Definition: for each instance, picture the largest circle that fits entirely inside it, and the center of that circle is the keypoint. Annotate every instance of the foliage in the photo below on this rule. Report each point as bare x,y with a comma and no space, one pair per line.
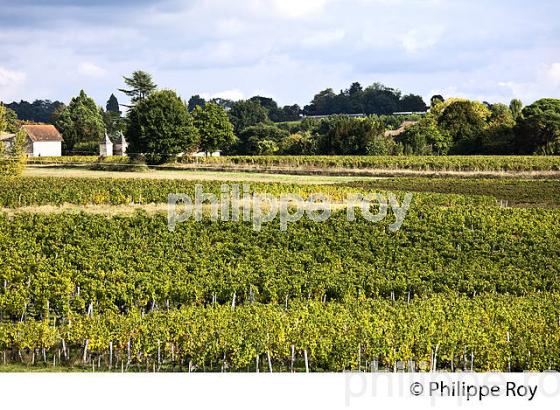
301,143
42,111
348,136
196,100
498,333
245,114
13,159
160,128
113,105
261,139
489,163
425,138
214,128
465,122
539,128
81,122
140,86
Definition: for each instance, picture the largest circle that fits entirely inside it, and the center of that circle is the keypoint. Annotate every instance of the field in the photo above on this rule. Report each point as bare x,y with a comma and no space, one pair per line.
92,277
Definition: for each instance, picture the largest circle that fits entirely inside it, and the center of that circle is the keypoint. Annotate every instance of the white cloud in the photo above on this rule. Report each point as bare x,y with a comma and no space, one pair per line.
91,70
324,38
416,40
553,73
298,8
10,81
234,95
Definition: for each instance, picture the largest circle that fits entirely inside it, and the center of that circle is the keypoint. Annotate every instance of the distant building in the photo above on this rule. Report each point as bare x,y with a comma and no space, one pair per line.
106,147
120,146
42,140
400,130
7,140
206,154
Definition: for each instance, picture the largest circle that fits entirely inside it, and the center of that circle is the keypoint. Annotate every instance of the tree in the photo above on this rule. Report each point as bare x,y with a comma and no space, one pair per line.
8,119
194,101
425,138
245,114
113,105
539,128
436,99
412,103
251,139
141,85
37,111
81,122
465,121
516,107
214,127
342,135
160,127
301,143
499,135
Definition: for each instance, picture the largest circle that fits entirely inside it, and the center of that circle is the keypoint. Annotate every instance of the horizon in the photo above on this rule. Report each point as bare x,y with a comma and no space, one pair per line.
287,50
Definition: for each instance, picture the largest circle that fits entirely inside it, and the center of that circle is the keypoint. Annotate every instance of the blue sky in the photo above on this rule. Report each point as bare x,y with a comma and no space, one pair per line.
491,50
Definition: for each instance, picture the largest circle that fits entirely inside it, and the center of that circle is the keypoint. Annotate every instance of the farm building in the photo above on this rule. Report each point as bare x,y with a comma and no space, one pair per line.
43,140
400,130
107,148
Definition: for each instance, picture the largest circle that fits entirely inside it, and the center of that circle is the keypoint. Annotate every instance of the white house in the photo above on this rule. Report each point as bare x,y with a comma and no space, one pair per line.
43,140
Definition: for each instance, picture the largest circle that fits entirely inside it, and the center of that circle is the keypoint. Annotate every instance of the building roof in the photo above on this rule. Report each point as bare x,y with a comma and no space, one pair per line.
43,132
5,137
400,130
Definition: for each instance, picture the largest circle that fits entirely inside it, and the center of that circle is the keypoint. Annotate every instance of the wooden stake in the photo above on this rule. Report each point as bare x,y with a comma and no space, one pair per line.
306,361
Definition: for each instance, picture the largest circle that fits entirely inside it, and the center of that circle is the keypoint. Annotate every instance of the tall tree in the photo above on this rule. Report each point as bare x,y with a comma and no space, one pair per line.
539,128
194,101
81,122
465,121
516,107
160,127
113,105
244,114
140,86
214,127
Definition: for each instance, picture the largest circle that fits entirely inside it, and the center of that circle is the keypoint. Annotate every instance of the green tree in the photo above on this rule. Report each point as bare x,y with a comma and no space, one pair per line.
140,86
245,114
194,101
539,128
113,105
81,122
465,122
436,99
343,135
412,103
214,127
251,139
160,128
425,138
516,107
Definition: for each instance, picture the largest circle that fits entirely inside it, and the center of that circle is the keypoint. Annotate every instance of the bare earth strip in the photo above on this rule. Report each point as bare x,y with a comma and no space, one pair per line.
194,175
259,173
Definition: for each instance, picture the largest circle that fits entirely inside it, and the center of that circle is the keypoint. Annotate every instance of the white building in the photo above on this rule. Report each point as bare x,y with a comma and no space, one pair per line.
120,146
43,140
106,147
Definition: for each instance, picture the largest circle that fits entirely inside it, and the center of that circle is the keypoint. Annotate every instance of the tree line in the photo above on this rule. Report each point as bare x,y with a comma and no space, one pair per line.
159,125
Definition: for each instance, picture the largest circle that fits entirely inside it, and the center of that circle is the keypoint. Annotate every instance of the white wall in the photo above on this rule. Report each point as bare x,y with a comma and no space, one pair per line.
47,149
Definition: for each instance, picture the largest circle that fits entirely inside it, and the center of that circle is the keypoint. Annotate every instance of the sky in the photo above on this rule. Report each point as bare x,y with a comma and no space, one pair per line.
492,50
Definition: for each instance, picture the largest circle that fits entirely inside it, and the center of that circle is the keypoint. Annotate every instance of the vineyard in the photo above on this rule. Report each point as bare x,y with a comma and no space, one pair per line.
467,283
419,163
